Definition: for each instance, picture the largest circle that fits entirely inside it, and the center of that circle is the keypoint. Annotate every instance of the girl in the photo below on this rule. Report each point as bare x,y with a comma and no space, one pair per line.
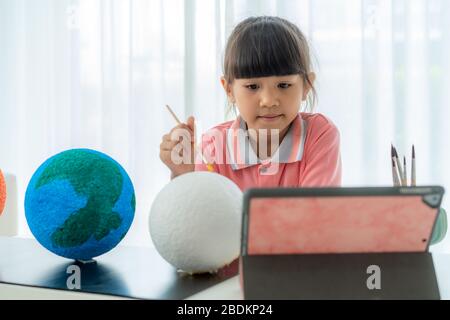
267,77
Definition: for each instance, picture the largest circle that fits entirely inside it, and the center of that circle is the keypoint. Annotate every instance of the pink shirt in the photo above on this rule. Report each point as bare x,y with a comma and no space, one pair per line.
308,156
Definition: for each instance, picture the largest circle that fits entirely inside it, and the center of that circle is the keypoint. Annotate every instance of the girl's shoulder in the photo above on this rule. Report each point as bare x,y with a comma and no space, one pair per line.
321,131
219,129
223,126
318,123
316,118
217,132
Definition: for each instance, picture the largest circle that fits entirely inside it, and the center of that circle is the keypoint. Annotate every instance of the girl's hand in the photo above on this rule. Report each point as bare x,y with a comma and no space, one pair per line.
177,148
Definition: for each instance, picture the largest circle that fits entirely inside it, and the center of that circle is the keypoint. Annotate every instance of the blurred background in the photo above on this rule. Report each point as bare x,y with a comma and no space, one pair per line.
97,74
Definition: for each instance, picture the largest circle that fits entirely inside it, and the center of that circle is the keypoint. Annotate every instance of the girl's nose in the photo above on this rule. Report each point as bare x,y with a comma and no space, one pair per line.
268,99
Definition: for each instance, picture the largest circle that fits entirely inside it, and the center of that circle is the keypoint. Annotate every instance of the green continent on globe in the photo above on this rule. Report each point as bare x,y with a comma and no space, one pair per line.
92,176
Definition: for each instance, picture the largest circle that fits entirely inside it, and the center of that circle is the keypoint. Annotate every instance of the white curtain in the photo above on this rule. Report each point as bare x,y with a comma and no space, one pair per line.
97,74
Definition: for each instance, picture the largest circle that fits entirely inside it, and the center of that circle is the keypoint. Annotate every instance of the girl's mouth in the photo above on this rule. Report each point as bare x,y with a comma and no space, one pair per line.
270,117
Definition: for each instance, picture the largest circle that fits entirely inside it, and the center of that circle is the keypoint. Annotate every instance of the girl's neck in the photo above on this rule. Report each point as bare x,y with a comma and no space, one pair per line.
270,147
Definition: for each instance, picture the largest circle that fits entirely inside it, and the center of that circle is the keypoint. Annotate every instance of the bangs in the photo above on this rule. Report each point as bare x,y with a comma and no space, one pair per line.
264,50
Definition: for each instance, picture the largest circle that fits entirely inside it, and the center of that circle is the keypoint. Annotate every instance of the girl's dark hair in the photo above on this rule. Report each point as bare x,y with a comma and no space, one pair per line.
268,46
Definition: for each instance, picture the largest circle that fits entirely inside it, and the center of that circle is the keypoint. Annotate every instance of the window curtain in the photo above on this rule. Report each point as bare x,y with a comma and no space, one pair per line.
97,74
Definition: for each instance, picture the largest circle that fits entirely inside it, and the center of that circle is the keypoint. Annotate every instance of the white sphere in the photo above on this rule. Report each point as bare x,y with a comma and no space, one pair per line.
195,222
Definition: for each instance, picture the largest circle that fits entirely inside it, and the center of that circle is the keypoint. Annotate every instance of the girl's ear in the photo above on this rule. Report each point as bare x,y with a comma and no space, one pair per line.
227,87
309,84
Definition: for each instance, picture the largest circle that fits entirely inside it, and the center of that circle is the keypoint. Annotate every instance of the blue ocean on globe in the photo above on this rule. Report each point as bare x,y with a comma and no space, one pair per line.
80,204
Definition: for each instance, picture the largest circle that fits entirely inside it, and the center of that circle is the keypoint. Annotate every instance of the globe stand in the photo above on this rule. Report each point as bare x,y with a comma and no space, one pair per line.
90,261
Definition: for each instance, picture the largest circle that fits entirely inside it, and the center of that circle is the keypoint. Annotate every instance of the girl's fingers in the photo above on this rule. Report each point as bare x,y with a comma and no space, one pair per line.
182,133
168,145
168,157
180,127
191,123
166,154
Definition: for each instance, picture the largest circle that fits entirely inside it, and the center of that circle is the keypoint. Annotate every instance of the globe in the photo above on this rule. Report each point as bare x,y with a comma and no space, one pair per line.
195,222
80,204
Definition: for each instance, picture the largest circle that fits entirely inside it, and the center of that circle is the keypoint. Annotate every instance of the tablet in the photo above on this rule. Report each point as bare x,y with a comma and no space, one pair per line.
339,220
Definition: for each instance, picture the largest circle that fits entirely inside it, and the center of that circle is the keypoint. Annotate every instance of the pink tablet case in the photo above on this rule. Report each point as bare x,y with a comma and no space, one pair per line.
359,224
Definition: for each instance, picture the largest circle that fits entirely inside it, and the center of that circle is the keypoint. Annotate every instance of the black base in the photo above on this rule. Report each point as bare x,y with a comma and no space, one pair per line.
340,276
131,272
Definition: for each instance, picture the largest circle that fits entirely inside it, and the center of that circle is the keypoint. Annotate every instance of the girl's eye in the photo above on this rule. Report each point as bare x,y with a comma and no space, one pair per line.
252,86
284,85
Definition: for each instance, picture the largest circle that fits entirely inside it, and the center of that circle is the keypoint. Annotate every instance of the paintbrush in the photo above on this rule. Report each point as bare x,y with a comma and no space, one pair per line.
208,165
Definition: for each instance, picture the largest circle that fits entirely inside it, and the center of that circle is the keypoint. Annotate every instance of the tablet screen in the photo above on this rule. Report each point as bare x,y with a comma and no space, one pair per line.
333,224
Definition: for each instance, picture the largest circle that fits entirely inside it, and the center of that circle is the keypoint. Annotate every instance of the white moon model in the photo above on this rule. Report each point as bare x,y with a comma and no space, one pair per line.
195,222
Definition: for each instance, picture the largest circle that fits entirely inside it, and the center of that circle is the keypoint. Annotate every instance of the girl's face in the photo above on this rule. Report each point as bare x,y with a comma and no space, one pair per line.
268,102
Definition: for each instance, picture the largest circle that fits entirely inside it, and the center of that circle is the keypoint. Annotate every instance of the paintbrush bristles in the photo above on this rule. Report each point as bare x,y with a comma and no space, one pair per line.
405,174
402,174
399,166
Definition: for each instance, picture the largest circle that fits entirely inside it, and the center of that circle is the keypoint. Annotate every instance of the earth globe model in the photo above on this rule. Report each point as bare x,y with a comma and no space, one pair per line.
80,204
2,192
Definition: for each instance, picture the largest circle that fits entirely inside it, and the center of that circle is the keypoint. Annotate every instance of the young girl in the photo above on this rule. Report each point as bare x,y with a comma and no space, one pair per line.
267,76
